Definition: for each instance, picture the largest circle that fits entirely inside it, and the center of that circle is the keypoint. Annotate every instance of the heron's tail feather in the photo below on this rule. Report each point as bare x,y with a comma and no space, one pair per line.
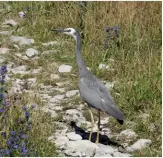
114,111
120,121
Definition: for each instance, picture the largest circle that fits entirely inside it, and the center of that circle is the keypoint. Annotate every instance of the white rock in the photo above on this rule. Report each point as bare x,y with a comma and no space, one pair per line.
127,135
10,22
52,113
21,40
102,155
36,71
65,68
30,52
1,60
60,84
110,85
61,141
50,43
140,144
81,106
106,149
56,108
31,81
84,147
119,154
21,14
6,32
54,76
4,50
72,93
73,136
51,138
103,121
73,115
103,66
20,69
56,98
46,96
71,153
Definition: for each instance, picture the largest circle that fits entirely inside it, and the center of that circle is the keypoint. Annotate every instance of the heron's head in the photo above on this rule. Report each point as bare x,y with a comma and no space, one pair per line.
69,31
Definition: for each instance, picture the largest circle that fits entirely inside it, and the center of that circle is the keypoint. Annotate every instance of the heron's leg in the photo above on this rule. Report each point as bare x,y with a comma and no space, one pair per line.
98,132
92,122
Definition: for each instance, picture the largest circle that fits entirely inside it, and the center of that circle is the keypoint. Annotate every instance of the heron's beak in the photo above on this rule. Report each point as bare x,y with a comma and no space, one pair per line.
58,30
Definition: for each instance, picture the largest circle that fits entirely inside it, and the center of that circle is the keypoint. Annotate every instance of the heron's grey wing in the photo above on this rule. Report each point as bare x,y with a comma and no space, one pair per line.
95,93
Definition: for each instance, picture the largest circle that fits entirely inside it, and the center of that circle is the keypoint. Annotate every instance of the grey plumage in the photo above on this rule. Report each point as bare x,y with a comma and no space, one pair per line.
92,90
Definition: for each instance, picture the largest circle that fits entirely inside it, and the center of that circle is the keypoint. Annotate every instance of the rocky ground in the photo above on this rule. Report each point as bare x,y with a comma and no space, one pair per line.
71,135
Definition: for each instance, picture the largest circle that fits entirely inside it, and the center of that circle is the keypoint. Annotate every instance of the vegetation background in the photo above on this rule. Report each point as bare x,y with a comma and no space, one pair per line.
136,57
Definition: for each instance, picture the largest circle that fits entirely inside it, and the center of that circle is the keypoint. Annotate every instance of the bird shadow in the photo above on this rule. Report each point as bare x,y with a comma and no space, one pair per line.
103,139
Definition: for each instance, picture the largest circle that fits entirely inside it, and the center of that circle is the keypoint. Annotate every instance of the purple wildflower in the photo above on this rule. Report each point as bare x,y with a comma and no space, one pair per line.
1,96
27,114
2,81
1,110
22,136
15,146
24,151
5,103
33,106
13,133
28,128
7,152
4,67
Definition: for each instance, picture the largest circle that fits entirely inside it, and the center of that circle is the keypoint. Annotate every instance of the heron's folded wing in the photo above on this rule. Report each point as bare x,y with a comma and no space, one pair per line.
98,90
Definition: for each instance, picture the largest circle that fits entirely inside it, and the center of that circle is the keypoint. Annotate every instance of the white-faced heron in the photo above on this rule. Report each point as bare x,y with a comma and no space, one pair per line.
92,90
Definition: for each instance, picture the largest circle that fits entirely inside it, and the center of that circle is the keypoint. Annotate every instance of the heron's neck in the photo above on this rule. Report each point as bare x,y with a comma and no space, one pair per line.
79,60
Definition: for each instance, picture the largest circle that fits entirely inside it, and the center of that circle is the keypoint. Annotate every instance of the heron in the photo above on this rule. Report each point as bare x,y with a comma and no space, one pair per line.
92,90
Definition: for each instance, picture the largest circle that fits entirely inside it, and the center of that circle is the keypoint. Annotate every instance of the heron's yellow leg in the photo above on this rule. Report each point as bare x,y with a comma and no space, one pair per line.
98,132
92,122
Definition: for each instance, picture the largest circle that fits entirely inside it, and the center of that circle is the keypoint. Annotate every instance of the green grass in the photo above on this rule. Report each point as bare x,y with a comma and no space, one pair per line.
137,59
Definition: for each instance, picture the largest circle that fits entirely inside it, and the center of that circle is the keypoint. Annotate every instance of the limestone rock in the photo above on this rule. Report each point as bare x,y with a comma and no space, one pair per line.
110,85
61,142
81,147
21,14
36,71
6,32
30,52
65,68
103,66
127,135
21,40
4,51
119,154
73,115
10,22
140,144
20,70
72,93
57,98
73,136
106,149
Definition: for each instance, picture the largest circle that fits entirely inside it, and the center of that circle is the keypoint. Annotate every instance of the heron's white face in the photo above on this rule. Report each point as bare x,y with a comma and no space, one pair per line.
70,31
